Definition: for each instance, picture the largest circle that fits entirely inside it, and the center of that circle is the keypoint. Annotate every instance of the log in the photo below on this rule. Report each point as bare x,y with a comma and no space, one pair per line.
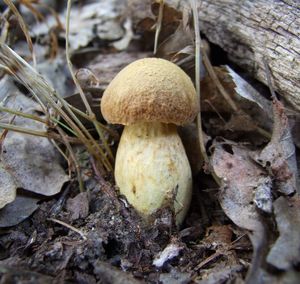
250,31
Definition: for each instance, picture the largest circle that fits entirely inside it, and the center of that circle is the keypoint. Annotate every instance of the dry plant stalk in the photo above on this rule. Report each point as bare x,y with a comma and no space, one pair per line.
91,115
23,27
47,97
158,25
197,78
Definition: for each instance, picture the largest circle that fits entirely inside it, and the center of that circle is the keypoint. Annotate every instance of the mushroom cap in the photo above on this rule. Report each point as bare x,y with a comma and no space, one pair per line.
150,90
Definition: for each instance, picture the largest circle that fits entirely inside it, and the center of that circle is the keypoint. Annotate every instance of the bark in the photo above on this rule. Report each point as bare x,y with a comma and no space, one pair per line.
252,30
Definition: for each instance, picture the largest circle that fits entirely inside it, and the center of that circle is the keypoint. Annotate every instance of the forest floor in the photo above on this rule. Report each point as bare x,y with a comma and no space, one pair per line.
59,224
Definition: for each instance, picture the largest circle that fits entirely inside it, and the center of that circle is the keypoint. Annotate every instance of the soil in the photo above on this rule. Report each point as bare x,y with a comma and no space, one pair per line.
116,246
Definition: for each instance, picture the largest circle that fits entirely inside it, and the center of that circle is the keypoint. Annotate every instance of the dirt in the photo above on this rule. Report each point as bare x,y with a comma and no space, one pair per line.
115,239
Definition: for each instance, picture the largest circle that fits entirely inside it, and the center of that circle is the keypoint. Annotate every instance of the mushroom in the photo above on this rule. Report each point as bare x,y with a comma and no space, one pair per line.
150,97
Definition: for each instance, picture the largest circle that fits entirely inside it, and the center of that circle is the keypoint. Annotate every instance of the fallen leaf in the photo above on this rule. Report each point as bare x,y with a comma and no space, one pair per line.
106,66
240,176
17,211
255,110
101,20
8,187
279,156
181,38
32,161
284,254
247,187
78,206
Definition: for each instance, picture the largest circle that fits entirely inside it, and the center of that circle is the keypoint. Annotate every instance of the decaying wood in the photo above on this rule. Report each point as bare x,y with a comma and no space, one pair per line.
252,30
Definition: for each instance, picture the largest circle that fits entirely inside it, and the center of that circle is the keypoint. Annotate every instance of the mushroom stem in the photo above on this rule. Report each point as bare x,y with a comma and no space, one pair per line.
151,165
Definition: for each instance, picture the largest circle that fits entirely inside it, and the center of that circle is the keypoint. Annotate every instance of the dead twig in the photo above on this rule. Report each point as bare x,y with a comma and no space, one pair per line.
23,27
69,227
158,24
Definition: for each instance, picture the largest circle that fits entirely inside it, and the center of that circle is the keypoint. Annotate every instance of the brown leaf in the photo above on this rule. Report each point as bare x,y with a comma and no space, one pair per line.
78,206
181,38
241,178
284,254
279,157
255,110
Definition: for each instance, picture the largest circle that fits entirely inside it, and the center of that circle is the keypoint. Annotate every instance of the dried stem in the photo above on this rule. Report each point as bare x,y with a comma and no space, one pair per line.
23,27
215,78
70,65
158,24
22,114
24,130
81,93
68,226
36,84
197,78
84,115
5,26
73,157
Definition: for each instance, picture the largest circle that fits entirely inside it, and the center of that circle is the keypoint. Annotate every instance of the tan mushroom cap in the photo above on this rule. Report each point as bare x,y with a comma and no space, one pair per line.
150,90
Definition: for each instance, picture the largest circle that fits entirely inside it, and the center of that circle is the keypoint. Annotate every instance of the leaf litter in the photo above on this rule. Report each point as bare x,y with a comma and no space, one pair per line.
243,228
27,162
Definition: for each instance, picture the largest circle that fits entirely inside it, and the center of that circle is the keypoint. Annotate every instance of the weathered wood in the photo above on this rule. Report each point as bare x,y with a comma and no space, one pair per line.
252,30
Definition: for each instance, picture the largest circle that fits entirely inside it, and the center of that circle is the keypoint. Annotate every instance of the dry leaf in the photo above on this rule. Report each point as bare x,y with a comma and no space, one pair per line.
8,187
279,156
32,161
240,177
17,211
78,206
180,39
100,20
27,162
284,254
255,109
